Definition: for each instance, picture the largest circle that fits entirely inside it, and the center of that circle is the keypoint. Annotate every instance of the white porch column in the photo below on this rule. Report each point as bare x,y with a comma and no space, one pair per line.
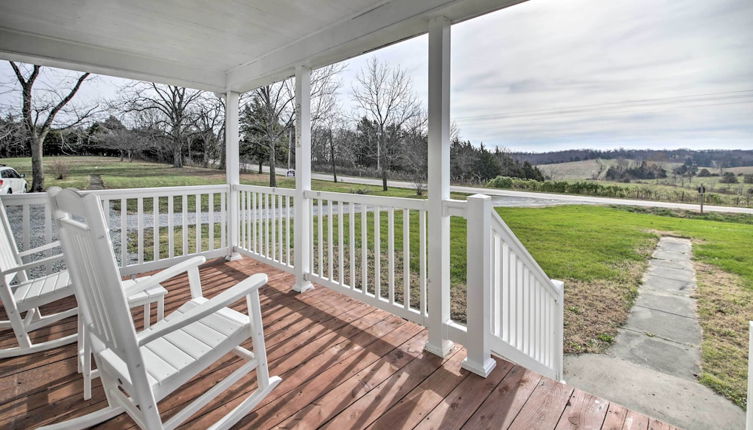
232,170
439,186
302,235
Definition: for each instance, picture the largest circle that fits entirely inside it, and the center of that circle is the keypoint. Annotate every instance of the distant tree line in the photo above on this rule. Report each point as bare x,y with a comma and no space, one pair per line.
713,158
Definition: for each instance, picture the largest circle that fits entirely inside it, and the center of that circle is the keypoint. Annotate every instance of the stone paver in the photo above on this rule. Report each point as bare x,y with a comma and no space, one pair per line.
653,365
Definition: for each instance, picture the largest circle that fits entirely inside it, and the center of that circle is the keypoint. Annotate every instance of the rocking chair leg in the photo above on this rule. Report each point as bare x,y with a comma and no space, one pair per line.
87,371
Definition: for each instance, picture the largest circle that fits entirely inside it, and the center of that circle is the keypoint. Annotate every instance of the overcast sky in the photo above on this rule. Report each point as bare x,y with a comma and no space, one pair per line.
556,74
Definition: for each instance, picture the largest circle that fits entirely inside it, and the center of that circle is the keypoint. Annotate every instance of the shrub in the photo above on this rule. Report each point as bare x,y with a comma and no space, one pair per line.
60,169
728,178
500,182
748,179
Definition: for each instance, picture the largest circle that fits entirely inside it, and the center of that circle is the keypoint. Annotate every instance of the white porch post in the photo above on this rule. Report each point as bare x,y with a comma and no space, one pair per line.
439,186
479,359
232,170
302,235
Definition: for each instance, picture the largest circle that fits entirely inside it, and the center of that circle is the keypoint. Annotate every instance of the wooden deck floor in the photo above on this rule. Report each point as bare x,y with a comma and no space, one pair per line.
344,365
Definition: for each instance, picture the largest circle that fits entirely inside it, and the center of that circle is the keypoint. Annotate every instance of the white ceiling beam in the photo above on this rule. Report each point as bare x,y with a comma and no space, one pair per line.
387,23
35,49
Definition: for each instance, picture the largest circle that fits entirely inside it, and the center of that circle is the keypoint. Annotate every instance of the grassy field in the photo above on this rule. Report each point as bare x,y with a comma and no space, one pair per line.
666,189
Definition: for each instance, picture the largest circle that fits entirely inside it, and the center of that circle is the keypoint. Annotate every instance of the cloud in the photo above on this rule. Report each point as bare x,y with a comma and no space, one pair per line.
550,74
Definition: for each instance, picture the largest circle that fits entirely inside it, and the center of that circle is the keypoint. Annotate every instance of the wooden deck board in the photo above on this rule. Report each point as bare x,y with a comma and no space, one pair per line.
344,364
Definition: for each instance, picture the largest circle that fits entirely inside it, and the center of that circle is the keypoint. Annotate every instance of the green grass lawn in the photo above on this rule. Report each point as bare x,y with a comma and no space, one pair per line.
601,252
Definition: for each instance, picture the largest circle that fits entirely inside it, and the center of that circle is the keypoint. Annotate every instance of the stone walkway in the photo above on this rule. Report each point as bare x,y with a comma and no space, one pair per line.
653,365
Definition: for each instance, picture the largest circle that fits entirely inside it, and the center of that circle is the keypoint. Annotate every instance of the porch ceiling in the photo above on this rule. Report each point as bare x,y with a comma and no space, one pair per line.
219,45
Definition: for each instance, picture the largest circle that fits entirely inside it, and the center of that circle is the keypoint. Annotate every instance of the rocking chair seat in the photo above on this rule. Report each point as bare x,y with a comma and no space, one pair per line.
40,291
172,360
50,288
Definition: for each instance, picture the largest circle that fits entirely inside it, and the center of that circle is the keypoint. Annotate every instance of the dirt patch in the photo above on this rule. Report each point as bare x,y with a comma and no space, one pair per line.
594,310
724,308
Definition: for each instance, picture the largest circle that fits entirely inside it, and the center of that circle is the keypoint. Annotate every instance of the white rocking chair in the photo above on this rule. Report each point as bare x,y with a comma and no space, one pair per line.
29,295
140,369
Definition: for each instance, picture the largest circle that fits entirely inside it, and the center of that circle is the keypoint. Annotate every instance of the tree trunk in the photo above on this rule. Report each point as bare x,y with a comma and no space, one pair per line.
291,144
332,156
382,167
272,164
222,151
260,163
177,156
37,171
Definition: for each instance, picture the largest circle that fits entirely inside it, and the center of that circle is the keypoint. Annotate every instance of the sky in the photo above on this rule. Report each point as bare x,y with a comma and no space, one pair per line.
558,74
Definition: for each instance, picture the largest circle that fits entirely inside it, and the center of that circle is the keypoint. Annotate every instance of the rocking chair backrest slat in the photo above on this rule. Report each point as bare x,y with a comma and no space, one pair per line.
96,279
9,258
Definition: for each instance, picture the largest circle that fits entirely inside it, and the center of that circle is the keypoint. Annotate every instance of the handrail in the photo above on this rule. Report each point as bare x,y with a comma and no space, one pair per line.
267,190
396,202
157,191
499,225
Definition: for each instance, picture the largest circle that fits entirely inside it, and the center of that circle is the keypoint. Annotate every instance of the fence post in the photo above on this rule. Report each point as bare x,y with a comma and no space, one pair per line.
478,313
559,319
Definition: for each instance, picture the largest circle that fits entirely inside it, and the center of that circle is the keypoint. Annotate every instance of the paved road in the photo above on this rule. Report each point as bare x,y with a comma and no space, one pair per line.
510,198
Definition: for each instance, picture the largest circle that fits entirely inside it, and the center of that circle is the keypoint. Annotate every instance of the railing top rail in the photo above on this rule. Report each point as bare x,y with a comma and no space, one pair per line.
159,191
123,193
267,190
455,207
395,202
499,225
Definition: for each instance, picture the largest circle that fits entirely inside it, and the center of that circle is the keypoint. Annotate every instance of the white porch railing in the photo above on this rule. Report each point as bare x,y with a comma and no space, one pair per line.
267,224
369,247
151,228
527,307
509,297
353,253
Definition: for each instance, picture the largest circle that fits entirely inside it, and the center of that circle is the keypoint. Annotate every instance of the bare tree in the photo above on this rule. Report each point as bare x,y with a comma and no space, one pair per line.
269,114
266,118
210,126
416,151
385,95
40,108
170,106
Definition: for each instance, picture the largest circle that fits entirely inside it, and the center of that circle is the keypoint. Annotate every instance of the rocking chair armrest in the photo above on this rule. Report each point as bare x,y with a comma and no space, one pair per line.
51,245
209,307
170,272
31,265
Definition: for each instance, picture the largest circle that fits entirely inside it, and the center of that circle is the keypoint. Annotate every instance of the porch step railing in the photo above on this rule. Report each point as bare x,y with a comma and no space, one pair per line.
510,298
